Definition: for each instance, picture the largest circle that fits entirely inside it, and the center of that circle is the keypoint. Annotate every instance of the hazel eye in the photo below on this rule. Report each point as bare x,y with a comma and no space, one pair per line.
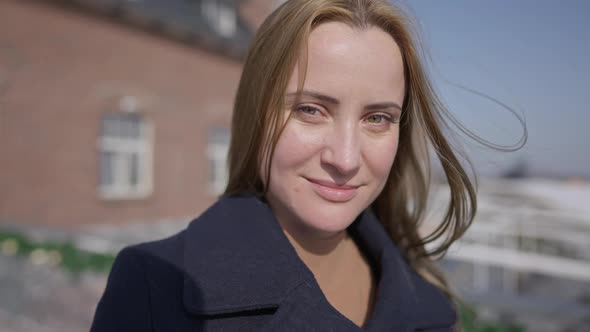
309,110
309,114
378,118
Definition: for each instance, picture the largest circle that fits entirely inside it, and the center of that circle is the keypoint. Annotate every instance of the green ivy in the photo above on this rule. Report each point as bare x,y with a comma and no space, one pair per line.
63,254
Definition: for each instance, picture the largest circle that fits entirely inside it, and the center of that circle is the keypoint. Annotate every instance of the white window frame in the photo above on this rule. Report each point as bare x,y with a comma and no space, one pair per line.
217,152
123,148
221,16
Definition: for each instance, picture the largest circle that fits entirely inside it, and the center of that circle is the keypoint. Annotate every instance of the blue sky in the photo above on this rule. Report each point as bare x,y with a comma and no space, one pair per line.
533,56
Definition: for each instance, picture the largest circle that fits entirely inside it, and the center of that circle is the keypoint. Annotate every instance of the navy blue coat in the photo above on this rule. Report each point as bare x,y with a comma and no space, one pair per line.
233,269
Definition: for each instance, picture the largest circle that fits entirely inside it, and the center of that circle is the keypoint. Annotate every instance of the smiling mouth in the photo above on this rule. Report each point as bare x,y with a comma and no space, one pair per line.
333,192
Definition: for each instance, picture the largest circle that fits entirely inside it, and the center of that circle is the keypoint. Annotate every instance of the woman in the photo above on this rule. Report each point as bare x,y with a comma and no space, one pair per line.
318,227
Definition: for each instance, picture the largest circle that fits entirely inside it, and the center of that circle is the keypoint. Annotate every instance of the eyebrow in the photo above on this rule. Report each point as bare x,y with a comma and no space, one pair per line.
335,101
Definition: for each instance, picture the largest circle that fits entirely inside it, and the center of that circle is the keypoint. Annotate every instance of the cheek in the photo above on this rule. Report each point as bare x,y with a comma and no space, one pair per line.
379,157
295,148
289,151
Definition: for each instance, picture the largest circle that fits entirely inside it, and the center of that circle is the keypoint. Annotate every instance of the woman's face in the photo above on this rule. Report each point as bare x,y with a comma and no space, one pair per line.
335,153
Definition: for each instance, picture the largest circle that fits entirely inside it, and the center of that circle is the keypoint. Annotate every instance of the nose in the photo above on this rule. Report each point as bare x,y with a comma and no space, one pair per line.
342,150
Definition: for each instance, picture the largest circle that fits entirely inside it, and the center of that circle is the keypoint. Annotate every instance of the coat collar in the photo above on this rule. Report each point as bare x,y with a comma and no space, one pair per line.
401,293
237,258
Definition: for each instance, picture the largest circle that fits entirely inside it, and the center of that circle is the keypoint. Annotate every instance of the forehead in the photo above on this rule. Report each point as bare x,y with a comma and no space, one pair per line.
342,58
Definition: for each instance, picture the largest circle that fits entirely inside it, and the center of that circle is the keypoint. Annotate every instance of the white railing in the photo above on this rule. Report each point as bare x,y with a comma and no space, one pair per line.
524,239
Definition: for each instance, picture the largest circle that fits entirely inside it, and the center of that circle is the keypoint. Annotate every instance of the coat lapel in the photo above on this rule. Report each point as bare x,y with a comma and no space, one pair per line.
238,259
405,301
306,309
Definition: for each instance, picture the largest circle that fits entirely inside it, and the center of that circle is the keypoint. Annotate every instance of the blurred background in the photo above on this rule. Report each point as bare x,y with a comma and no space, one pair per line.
114,129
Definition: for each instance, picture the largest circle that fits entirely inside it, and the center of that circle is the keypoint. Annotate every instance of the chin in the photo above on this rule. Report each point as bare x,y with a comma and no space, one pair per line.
329,218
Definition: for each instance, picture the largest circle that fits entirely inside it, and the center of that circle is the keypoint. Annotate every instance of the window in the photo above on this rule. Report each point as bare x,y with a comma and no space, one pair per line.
221,16
125,146
217,155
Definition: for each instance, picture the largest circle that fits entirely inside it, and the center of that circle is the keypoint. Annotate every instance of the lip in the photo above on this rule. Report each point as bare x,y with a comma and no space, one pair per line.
333,192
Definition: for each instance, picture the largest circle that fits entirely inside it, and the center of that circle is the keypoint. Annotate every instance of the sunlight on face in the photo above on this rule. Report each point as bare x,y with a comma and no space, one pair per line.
335,153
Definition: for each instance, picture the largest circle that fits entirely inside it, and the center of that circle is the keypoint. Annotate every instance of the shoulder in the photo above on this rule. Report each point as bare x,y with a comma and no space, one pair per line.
142,276
147,259
162,253
158,263
434,308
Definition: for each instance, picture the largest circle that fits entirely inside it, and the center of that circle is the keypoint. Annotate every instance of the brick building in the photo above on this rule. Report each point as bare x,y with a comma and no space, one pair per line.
114,111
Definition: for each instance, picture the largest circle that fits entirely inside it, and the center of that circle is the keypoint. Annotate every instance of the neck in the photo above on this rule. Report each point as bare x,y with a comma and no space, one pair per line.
339,267
323,253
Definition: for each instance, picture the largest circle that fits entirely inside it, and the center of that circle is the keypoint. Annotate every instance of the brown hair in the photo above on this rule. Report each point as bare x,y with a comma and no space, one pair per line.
257,124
